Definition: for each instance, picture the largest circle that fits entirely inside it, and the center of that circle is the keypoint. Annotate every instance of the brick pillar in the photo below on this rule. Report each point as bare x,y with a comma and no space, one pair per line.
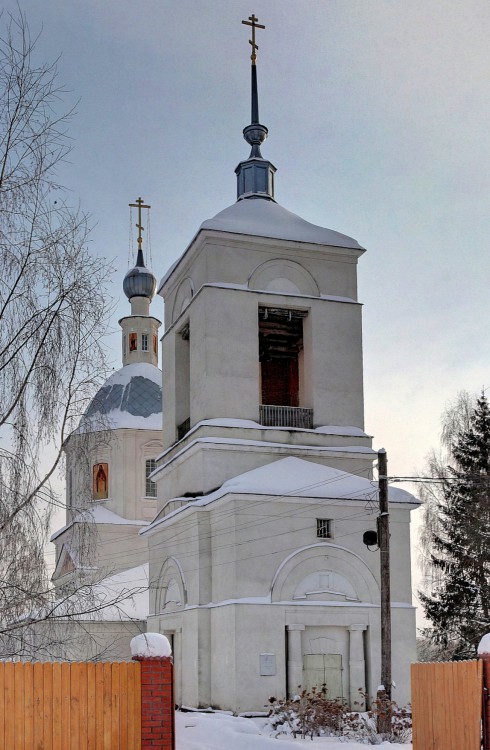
157,702
485,658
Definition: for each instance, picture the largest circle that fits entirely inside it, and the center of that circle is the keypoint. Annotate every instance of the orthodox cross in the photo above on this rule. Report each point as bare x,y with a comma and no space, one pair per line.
139,205
252,21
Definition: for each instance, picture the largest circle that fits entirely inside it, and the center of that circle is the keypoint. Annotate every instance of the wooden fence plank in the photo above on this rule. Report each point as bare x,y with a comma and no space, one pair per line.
48,704
75,706
9,704
18,714
28,707
107,705
99,706
37,697
134,720
2,705
65,706
83,672
115,706
123,706
91,697
57,704
137,705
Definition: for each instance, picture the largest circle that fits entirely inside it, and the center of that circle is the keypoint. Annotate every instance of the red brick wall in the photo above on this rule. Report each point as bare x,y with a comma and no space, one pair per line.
157,703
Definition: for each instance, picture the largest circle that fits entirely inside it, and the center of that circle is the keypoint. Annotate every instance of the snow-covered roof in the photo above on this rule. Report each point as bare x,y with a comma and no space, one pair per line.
295,477
129,588
99,514
130,398
119,596
266,218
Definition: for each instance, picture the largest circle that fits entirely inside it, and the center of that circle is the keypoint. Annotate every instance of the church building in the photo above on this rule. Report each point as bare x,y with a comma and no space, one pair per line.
258,570
243,515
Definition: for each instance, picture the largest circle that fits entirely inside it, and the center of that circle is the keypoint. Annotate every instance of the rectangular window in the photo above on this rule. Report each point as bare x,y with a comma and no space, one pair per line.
144,342
133,342
154,344
150,487
280,344
324,528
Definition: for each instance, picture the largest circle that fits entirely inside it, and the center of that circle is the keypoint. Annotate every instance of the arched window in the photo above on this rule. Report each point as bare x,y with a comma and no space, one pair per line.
100,481
150,487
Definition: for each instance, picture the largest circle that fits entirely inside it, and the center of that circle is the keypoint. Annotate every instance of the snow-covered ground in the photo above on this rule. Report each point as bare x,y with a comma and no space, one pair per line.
201,731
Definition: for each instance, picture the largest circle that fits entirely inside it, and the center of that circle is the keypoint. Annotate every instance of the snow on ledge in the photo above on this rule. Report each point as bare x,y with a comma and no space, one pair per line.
150,645
484,645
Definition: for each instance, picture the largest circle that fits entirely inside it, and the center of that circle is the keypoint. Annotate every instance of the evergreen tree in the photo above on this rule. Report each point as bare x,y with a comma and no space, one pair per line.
458,536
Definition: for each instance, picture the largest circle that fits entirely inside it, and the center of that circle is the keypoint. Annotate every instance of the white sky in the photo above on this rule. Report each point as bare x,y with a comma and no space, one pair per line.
378,115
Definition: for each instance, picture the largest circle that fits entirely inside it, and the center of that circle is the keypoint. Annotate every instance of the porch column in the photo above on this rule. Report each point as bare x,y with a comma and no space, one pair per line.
295,658
357,667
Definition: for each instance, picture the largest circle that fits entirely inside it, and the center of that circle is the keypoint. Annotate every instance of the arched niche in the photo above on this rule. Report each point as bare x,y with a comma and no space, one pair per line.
171,591
183,296
344,567
325,585
283,276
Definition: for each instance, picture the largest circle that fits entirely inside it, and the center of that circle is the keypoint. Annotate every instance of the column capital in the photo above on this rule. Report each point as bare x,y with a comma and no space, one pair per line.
296,627
356,626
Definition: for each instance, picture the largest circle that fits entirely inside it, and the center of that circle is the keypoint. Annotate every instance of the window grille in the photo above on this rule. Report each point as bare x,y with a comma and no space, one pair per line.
144,342
324,528
151,487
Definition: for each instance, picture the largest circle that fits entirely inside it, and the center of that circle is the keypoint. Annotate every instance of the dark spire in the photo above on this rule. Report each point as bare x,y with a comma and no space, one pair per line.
255,176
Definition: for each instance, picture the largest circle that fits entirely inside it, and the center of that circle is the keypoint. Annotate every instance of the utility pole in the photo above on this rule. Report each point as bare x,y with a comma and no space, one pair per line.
384,717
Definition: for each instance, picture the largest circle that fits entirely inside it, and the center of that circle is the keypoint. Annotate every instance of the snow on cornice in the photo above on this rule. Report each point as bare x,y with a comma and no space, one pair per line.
102,515
331,449
294,477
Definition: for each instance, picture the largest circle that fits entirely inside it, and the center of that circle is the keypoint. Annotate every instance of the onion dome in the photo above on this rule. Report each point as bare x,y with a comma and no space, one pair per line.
139,281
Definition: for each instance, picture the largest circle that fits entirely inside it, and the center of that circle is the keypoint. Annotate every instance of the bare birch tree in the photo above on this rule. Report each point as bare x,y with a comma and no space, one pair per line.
53,316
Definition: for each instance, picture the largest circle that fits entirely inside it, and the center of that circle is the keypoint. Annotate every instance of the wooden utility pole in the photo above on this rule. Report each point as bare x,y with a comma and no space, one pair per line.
384,717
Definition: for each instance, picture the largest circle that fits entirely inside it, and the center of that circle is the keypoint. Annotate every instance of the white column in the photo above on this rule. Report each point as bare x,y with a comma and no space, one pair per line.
295,658
357,667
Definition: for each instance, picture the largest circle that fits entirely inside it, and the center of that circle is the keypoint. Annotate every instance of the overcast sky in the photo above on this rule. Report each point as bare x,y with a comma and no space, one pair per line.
378,115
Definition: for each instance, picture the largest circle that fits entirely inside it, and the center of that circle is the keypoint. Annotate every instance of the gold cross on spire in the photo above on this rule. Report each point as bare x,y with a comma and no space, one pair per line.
139,205
252,21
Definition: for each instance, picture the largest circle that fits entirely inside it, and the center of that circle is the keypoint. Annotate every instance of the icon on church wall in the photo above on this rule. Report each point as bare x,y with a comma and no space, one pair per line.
133,342
154,344
100,482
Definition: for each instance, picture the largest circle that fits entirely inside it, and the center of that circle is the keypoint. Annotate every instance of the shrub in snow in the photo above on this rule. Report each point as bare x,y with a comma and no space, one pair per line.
313,714
308,714
362,727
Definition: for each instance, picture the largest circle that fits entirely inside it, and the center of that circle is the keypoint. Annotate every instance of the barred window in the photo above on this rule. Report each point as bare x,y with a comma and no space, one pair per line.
324,528
144,342
150,487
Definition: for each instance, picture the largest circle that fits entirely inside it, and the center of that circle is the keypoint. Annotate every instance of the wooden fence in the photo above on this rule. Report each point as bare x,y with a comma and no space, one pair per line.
70,706
447,705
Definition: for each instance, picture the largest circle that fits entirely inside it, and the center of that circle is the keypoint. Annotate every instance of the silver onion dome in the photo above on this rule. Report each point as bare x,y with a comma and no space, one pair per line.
139,281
